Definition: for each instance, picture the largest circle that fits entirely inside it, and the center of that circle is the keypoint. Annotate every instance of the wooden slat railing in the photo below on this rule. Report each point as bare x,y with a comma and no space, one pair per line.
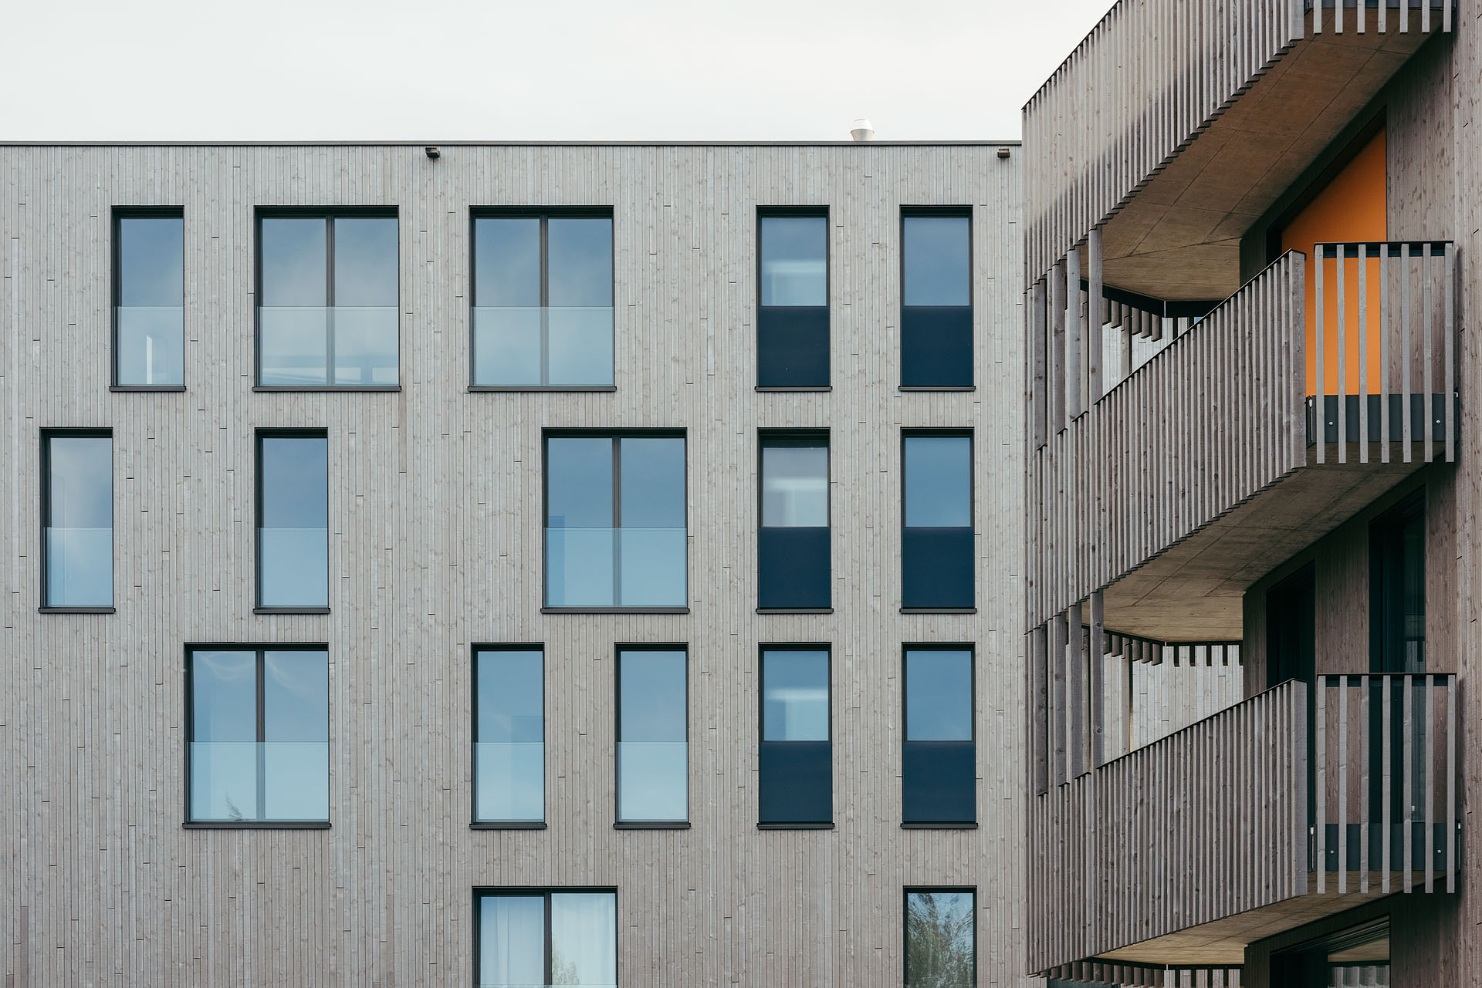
1097,972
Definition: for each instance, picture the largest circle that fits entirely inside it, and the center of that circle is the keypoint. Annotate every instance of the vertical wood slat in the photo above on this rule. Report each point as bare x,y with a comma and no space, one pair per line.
1076,691
1039,708
1429,326
1057,359
1448,333
1451,783
1098,687
1363,346
1038,395
1407,433
1385,321
1320,792
1407,771
1057,700
1319,405
1343,727
1366,687
1341,255
1075,343
1386,815
1428,760
1097,318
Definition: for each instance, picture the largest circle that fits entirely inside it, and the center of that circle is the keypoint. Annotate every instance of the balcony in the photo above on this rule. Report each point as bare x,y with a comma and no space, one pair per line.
1266,424
1290,806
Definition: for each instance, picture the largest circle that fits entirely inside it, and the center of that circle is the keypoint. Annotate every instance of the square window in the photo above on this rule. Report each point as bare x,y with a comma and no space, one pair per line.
328,288
615,534
652,735
936,298
542,299
509,735
941,938
292,521
794,570
77,519
148,298
258,729
792,322
796,757
937,514
534,937
938,757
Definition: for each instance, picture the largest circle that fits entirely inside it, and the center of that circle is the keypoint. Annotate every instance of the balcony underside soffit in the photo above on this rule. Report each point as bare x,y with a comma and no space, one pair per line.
1179,237
1193,591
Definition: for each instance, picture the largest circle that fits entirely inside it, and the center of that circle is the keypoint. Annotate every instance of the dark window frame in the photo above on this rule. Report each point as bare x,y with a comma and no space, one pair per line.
761,720
906,892
542,213
964,212
257,506
260,649
797,438
970,434
115,275
475,821
545,512
822,212
330,214
481,892
46,435
617,706
971,649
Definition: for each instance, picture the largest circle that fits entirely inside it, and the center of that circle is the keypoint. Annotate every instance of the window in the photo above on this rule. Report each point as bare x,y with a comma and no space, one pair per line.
327,300
937,540
938,761
542,299
292,521
792,321
1397,588
532,937
509,735
148,299
796,758
258,726
936,299
77,519
615,532
793,563
652,736
941,938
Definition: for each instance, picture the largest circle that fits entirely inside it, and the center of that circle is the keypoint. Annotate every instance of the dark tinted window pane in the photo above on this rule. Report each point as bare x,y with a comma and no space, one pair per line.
938,481
795,695
511,700
511,941
296,696
940,940
795,485
151,265
295,492
507,261
939,695
579,482
652,694
794,260
223,696
653,482
365,261
580,261
294,262
936,261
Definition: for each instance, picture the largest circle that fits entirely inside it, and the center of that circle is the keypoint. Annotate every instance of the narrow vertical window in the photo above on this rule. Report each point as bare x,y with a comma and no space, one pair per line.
327,301
794,568
533,937
77,519
615,521
652,736
148,299
941,938
292,521
938,759
796,758
936,299
793,310
258,725
542,300
937,537
509,736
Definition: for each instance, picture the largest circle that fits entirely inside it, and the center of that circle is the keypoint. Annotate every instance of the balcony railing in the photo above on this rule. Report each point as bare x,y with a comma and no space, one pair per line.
1293,793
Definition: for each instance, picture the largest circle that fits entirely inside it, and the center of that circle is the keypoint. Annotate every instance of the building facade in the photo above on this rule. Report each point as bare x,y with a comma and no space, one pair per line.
1250,265
509,564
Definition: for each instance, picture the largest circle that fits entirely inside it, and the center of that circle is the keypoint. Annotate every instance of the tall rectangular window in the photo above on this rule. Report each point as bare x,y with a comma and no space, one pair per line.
615,533
941,938
292,521
936,298
794,568
542,299
258,729
77,519
534,937
937,535
509,735
327,300
148,298
792,347
938,759
652,736
796,758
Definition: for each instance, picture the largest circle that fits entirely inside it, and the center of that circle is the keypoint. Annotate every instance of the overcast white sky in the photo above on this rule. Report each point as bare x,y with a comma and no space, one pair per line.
499,70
